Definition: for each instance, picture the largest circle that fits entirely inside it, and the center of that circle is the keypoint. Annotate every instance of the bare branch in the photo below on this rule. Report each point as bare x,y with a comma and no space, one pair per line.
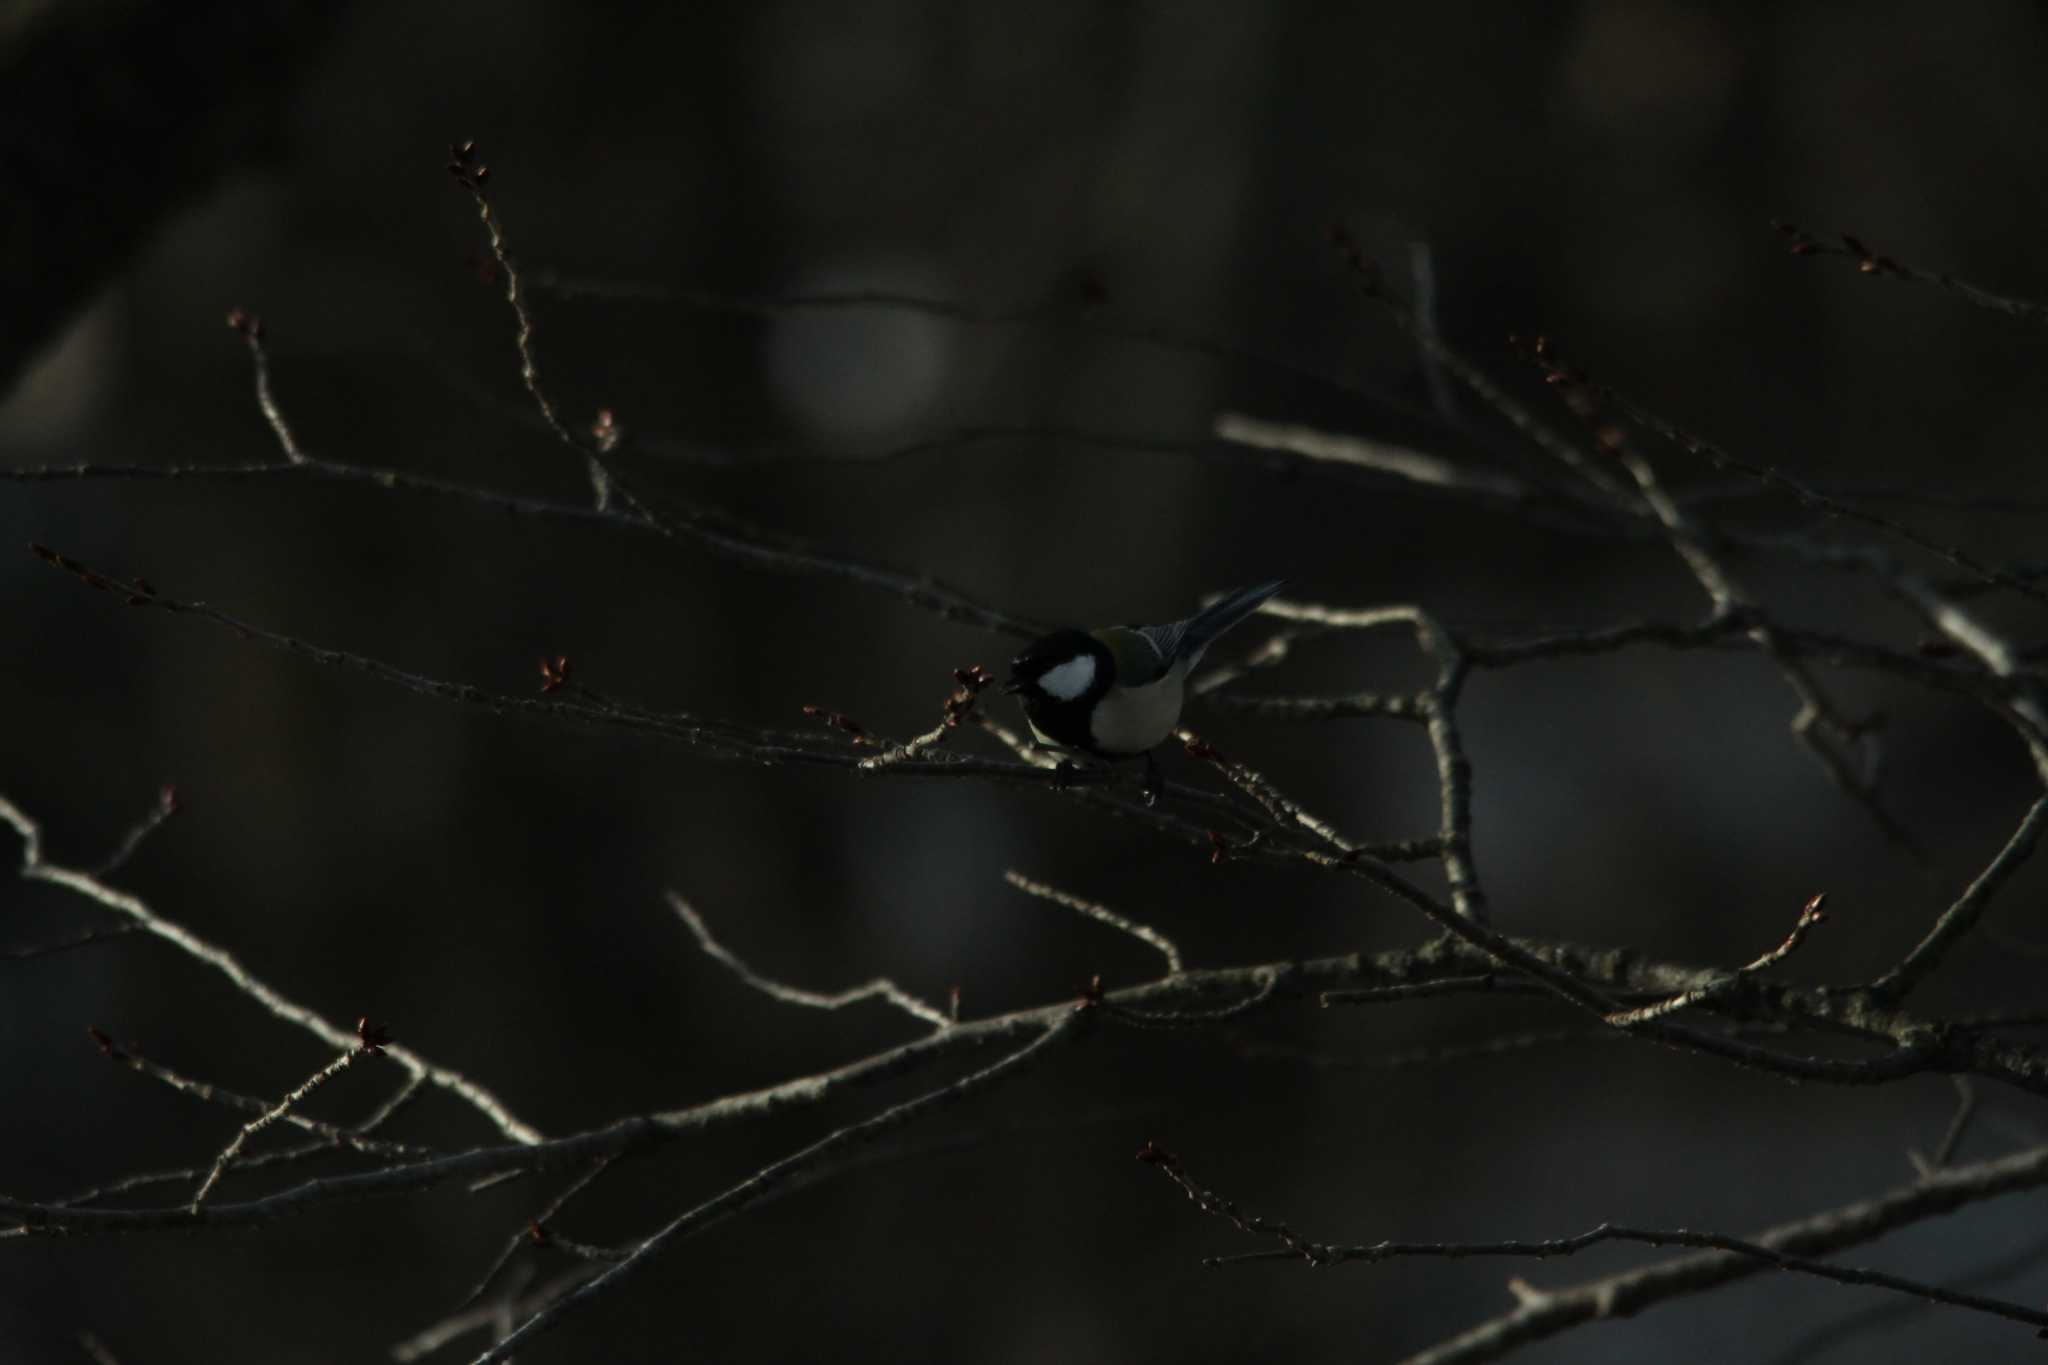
166,806
517,1304
1810,916
765,1180
1480,982
252,332
1871,263
1618,971
356,1138
689,524
270,1116
719,739
1952,1136
1400,462
473,176
881,987
1094,910
1961,915
91,936
713,531
536,1232
1728,1257
1827,1336
1818,501
1613,496
1265,988
1546,1313
35,868
1392,705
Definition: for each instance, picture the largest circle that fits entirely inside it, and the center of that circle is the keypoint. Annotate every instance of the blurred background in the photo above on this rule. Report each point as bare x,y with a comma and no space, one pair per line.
1605,173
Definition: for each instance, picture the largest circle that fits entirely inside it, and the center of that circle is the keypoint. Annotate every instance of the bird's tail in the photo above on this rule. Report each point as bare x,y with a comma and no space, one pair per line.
1201,630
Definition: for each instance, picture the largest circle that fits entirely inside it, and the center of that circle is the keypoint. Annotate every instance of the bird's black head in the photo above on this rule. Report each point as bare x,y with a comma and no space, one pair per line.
1064,667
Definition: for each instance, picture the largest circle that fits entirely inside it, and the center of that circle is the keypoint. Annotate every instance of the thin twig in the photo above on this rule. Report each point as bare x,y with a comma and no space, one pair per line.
34,867
1876,265
1952,1135
537,1232
85,939
765,1180
608,478
1263,992
726,739
252,332
271,1116
166,806
424,1343
1094,910
1818,725
1828,1335
1617,971
337,1135
1479,982
472,176
1810,916
1546,1313
1381,457
881,988
1813,498
1774,1250
1961,915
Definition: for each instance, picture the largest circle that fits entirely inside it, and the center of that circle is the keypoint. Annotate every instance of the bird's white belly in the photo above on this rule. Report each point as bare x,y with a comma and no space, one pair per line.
1131,720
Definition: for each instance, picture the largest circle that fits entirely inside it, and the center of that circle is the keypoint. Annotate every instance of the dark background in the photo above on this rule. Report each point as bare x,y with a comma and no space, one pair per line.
1605,173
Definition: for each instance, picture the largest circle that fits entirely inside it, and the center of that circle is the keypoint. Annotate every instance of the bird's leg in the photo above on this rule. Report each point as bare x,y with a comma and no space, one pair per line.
1153,783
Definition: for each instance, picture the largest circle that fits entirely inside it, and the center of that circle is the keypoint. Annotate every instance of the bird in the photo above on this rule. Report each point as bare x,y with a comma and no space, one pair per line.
1115,692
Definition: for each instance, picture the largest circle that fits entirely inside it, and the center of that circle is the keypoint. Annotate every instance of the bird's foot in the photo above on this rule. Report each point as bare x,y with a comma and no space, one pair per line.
1152,784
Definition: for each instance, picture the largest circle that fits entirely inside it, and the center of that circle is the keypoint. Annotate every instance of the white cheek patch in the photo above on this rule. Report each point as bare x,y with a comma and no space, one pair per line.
1069,680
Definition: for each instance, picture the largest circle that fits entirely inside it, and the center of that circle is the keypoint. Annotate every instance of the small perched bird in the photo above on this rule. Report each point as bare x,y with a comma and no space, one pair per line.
1116,692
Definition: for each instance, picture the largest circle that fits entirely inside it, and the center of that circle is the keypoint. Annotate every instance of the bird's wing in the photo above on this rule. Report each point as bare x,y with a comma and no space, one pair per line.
1164,642
1187,639
1137,653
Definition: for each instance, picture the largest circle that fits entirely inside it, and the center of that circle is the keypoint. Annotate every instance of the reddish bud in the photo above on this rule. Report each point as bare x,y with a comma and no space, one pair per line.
839,722
373,1037
1091,994
554,673
1152,1154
